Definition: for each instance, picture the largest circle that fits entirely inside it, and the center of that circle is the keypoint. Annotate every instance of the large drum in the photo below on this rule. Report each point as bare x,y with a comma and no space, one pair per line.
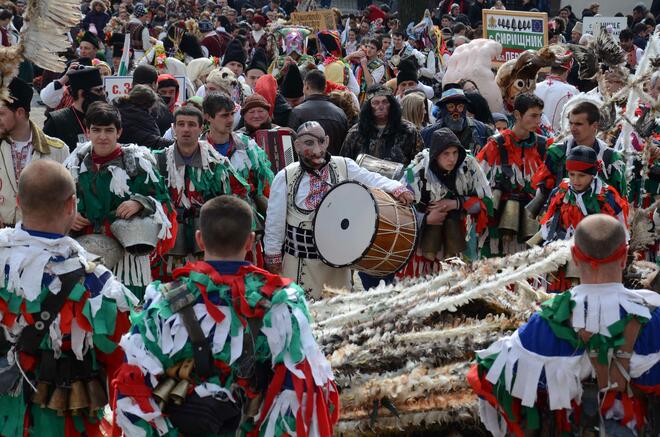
364,228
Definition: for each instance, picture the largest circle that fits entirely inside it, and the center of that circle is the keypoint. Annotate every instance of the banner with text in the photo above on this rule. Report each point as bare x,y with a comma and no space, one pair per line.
116,86
516,31
592,25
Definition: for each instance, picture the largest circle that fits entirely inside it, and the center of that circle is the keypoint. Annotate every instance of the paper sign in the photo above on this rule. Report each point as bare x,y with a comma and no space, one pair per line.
116,86
318,20
592,25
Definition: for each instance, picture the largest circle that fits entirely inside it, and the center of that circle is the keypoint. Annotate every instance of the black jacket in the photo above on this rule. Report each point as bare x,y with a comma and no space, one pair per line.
319,108
64,124
139,127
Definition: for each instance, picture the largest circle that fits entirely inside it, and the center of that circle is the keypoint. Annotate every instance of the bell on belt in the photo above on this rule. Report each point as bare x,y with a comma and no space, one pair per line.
535,205
178,394
163,390
509,221
453,237
59,400
173,371
528,227
97,396
78,399
431,241
40,397
186,368
497,197
572,271
536,240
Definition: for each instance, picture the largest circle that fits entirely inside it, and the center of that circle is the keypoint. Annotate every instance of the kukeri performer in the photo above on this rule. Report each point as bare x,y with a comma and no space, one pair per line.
121,182
249,160
538,380
226,349
453,196
194,173
62,314
296,192
582,194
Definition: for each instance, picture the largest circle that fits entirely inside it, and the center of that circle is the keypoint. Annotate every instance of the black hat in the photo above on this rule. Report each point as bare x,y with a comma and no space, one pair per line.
292,84
407,71
583,159
85,79
259,61
91,38
21,94
117,50
234,52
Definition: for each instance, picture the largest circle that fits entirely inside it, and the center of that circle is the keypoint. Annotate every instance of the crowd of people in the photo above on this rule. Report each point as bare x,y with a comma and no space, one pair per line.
199,185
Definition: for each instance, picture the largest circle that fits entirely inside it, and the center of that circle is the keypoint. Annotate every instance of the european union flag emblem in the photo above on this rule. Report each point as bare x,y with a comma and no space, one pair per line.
537,26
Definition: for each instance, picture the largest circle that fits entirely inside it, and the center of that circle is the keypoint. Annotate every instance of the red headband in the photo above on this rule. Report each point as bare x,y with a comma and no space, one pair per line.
579,165
616,255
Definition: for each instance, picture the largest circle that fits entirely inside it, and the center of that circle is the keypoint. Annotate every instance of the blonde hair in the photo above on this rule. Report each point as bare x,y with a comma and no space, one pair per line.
413,109
345,102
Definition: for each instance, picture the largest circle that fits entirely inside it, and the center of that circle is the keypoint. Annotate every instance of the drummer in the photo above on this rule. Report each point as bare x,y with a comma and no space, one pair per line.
296,192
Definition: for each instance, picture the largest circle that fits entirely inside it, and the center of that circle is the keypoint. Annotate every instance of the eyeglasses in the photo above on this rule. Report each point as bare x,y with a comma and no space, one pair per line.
451,107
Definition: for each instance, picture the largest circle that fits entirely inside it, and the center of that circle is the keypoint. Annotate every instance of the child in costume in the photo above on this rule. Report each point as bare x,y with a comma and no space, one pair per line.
453,197
539,379
578,196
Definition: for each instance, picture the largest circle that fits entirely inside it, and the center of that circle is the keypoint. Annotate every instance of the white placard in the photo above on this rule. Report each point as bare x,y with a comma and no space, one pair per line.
116,86
592,25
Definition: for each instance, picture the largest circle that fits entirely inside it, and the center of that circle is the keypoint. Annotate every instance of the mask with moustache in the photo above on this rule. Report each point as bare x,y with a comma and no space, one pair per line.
455,124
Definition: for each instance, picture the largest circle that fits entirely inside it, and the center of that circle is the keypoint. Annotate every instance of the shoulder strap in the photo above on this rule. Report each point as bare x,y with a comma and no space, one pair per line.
541,141
31,336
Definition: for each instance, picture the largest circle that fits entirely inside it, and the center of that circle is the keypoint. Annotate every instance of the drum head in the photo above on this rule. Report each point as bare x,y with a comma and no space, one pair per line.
345,224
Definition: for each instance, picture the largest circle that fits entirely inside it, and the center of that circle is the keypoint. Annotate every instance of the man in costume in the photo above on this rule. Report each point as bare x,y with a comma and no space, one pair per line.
194,172
230,364
555,92
509,160
452,196
381,132
452,114
120,182
137,28
371,70
576,197
249,160
62,316
296,193
67,124
294,46
583,120
22,142
401,49
599,327
333,65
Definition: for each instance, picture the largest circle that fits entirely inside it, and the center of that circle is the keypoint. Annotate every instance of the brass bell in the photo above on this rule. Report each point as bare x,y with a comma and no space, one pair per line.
453,237
528,227
180,391
536,240
97,395
497,197
572,271
509,221
186,368
535,205
173,371
431,241
59,400
78,399
163,390
40,397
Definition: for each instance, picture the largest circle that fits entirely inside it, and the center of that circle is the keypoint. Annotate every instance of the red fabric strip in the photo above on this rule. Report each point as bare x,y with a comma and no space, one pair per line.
616,255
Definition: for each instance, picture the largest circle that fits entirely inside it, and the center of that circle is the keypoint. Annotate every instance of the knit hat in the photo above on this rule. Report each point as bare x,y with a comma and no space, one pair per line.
582,159
90,38
292,84
205,26
235,53
407,71
498,116
255,101
577,28
260,19
139,10
85,79
259,61
20,93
